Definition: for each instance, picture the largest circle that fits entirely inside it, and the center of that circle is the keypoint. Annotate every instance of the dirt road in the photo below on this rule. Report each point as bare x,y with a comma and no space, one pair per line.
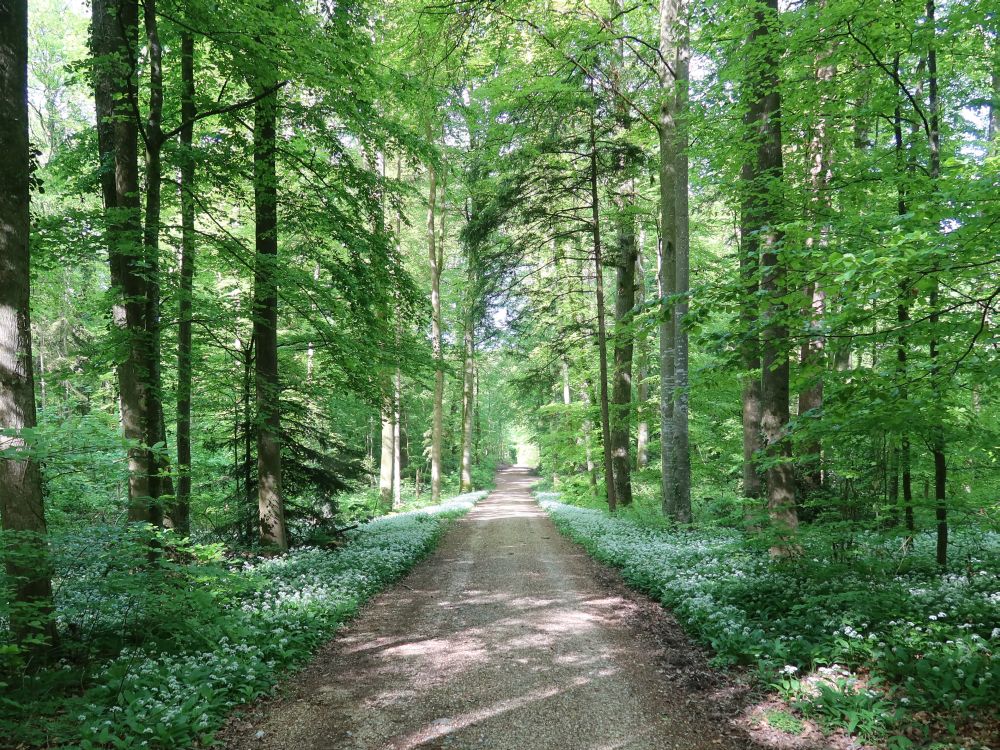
510,638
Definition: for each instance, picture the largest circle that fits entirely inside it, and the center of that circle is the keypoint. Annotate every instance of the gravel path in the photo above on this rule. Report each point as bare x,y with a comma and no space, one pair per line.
510,638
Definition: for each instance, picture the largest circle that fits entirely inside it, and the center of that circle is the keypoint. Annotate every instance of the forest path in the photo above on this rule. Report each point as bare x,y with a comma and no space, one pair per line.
508,637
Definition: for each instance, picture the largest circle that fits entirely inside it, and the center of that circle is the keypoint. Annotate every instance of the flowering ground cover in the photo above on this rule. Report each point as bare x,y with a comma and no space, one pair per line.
198,632
875,641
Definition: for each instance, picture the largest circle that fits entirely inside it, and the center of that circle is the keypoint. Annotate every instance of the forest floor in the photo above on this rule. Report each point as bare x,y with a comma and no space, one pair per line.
508,637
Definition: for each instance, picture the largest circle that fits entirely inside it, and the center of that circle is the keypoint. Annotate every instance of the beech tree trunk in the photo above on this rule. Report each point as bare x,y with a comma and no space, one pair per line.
181,513
270,505
115,42
765,218
642,366
397,440
937,431
673,261
750,346
681,434
602,337
468,400
156,431
902,317
621,396
437,413
811,352
21,506
388,452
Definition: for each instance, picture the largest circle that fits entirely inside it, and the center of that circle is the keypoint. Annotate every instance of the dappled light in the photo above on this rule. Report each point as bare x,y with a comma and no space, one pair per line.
502,640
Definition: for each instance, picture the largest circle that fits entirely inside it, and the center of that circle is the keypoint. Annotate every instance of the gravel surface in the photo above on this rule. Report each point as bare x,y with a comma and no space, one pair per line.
508,637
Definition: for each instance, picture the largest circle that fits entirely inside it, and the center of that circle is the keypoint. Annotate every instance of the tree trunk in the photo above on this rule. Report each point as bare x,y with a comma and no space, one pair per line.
181,513
602,338
468,399
765,114
681,434
270,503
642,365
621,395
937,431
811,351
670,19
397,440
388,453
161,483
115,41
750,346
902,316
437,414
21,505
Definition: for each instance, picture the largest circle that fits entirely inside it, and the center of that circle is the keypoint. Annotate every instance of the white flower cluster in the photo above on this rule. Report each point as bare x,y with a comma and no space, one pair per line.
289,605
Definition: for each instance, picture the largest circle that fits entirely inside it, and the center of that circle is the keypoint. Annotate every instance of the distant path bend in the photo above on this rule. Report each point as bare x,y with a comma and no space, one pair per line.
508,638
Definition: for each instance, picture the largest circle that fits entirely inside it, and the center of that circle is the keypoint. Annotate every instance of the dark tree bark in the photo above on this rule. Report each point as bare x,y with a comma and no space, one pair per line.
181,512
156,432
765,218
270,503
621,396
902,317
602,337
937,430
811,354
750,346
21,506
115,42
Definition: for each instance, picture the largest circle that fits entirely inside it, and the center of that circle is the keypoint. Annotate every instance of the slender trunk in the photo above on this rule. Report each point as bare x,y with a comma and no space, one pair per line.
903,317
22,511
670,19
642,365
811,352
468,400
181,512
115,41
156,432
437,413
388,452
588,428
750,346
397,440
765,114
621,396
602,338
937,430
681,434
249,439
270,503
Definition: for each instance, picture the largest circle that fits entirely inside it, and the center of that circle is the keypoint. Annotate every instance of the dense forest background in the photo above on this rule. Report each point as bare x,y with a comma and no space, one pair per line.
726,265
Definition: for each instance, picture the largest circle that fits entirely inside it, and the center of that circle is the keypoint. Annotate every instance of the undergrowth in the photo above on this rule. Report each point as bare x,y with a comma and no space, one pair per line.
863,641
156,653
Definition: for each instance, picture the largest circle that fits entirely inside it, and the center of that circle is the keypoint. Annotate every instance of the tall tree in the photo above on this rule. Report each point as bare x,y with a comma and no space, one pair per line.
602,337
765,220
21,506
115,43
673,267
270,502
180,514
435,253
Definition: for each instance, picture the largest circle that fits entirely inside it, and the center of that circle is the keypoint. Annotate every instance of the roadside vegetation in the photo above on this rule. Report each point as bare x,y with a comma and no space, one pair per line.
865,636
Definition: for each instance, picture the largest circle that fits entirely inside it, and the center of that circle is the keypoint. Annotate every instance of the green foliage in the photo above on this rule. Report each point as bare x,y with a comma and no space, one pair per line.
161,638
814,624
